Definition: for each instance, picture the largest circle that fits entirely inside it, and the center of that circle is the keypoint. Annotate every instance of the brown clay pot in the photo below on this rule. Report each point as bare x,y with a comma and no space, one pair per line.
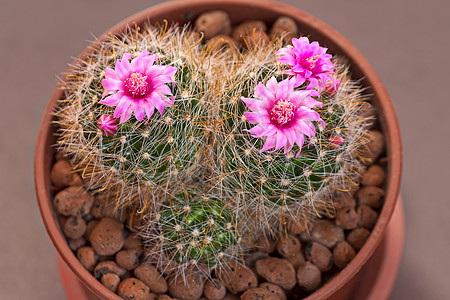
343,285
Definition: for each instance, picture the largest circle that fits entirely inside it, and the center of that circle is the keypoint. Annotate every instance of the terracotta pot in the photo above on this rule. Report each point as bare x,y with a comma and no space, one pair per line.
343,285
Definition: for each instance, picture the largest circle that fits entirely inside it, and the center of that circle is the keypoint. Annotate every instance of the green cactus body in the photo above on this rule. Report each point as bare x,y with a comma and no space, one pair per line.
198,229
198,148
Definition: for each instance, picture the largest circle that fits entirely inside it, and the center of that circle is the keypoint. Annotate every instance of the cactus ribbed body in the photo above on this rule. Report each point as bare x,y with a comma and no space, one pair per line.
199,148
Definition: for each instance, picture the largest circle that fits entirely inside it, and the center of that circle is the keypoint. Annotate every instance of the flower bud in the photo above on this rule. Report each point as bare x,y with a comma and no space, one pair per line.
108,125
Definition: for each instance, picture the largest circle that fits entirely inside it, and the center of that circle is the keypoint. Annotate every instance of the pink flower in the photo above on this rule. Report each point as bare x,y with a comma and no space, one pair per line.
138,87
309,62
283,116
335,141
108,125
331,87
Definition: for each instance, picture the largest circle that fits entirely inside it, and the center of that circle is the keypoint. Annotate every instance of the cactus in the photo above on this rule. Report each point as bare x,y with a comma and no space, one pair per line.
195,170
194,230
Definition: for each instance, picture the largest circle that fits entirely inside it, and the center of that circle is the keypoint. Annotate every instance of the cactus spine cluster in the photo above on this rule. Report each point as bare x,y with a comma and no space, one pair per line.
204,187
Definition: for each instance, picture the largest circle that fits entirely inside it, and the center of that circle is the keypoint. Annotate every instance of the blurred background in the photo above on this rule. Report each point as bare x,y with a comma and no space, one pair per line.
406,41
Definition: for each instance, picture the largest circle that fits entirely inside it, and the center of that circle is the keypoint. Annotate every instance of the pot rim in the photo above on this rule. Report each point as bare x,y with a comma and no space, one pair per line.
359,64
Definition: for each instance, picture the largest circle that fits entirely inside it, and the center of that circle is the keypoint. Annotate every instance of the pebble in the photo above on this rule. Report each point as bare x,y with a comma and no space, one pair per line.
371,196
343,253
128,259
75,244
309,277
258,294
344,200
133,242
295,227
107,237
367,217
265,244
213,23
134,289
106,267
74,227
357,237
296,260
284,27
239,278
251,258
247,27
274,289
278,271
347,218
164,297
374,176
255,40
229,296
62,175
87,257
90,226
111,281
320,256
152,278
73,201
327,233
221,42
288,246
189,289
214,290
372,150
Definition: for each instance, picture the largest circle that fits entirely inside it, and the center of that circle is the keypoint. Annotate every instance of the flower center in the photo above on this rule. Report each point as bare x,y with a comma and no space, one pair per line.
282,112
310,62
137,85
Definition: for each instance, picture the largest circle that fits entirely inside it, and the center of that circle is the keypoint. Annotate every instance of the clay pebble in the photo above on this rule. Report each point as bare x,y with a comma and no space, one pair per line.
374,176
372,150
319,255
274,289
258,294
371,196
221,42
357,237
343,253
189,289
296,260
62,175
265,244
277,271
284,27
239,279
87,257
347,218
134,289
107,237
74,227
128,259
309,277
213,23
152,278
214,290
106,267
111,281
73,201
327,233
288,246
367,217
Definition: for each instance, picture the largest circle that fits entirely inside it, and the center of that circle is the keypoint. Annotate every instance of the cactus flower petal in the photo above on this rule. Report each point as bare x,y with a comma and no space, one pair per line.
309,63
282,115
138,87
108,125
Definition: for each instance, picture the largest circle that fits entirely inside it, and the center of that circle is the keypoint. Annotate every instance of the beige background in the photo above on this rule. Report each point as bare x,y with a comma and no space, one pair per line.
406,41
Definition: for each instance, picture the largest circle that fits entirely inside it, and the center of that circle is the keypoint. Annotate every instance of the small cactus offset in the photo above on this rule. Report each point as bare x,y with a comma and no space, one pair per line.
214,147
